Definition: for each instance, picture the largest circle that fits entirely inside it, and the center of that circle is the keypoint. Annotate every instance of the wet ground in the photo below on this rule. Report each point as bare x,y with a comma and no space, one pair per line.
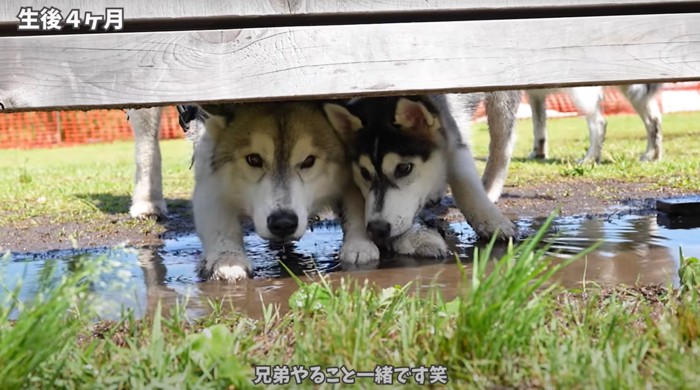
573,196
640,247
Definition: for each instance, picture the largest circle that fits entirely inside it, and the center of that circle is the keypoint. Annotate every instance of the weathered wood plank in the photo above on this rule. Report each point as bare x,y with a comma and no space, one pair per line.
302,62
168,9
322,6
153,9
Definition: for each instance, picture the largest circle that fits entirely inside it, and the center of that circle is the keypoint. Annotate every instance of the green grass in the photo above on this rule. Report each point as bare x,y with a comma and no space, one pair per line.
625,141
509,326
87,182
79,183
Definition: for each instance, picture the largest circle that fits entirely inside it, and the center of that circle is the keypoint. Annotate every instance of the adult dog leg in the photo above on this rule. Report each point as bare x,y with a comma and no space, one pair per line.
589,100
357,246
641,96
537,99
501,108
147,199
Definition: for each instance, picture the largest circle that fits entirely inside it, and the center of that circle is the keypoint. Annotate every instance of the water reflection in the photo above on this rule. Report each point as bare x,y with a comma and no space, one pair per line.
635,249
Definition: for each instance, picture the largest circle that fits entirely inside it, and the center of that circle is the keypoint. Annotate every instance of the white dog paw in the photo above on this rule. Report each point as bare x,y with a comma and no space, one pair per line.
589,159
228,269
493,194
649,156
147,209
421,242
359,252
230,273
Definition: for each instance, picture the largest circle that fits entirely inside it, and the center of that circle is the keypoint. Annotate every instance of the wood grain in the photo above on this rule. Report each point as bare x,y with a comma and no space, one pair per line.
142,69
168,9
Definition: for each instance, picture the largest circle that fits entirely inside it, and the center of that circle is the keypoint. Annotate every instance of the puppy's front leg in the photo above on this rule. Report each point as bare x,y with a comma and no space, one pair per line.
471,198
219,229
357,246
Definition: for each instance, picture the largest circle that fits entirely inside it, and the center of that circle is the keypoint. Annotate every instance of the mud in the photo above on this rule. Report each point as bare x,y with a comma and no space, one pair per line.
573,196
637,250
43,234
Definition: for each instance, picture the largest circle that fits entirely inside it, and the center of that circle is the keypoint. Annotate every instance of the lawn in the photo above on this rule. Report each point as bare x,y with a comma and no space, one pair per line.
625,142
510,327
82,182
89,183
507,328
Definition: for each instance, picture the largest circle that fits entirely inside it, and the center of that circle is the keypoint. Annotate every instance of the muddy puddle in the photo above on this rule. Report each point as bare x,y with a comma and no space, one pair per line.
637,249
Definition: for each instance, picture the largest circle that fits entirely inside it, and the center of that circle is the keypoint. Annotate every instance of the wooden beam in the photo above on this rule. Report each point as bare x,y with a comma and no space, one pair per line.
188,14
166,9
153,9
142,69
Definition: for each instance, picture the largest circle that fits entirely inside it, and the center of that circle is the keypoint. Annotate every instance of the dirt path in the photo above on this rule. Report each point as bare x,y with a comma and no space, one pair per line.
573,196
576,197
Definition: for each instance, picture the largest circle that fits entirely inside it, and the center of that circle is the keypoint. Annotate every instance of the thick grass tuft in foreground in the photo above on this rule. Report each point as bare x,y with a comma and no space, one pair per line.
509,326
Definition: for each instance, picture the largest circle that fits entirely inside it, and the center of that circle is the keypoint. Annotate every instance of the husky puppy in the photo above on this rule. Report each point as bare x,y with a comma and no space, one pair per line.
278,164
588,100
405,151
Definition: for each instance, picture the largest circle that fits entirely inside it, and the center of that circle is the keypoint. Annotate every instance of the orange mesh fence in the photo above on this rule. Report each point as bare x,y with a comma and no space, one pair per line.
614,102
28,130
63,128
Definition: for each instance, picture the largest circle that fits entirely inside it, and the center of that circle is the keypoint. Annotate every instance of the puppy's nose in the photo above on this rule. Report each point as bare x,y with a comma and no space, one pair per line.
282,223
378,229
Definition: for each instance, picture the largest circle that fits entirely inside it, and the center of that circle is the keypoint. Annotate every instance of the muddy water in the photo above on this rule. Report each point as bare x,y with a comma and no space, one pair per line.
637,249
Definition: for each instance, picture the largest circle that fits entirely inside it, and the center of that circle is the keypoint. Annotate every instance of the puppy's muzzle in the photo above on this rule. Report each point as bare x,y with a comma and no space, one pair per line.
379,230
282,223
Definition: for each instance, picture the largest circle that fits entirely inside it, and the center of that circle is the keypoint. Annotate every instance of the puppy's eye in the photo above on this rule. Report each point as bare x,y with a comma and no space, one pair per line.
365,174
402,170
254,160
308,162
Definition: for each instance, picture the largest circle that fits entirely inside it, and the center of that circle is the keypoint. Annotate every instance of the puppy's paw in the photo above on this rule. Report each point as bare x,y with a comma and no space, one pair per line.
229,273
421,242
359,251
229,268
496,225
147,209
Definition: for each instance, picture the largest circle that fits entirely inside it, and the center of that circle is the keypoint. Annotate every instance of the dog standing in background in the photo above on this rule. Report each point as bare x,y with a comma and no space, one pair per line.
147,199
589,100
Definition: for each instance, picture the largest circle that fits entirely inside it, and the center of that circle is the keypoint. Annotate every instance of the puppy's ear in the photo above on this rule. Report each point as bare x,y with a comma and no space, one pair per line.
413,115
344,122
225,111
218,117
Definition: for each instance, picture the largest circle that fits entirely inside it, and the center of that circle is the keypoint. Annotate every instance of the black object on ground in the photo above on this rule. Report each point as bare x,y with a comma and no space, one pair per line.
685,205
